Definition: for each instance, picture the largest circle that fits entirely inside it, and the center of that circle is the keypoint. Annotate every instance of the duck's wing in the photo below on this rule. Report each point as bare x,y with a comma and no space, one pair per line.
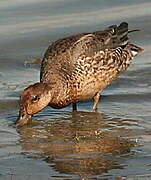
86,46
110,38
56,56
63,63
63,53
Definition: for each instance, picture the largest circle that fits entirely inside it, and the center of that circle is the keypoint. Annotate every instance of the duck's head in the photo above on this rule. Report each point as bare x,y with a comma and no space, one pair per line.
33,99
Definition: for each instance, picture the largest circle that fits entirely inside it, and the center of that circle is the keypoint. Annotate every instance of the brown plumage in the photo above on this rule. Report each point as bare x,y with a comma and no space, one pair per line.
78,68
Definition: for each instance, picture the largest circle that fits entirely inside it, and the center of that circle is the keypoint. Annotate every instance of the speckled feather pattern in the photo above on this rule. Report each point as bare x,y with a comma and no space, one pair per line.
93,74
78,68
83,65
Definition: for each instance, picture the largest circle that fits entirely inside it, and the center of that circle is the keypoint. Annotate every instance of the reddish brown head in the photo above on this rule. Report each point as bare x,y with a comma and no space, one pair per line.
33,99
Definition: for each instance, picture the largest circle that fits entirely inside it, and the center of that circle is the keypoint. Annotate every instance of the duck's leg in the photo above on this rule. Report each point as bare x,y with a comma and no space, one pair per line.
96,99
74,106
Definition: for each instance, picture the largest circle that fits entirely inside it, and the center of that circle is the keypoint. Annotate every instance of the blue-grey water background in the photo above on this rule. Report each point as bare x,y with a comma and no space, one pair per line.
115,142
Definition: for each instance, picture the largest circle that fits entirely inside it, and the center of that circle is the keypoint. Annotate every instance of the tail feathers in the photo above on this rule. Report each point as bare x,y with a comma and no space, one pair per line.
119,34
134,30
114,36
122,29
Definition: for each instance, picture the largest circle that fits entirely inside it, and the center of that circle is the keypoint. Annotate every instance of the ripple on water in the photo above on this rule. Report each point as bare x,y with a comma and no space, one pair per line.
114,143
82,143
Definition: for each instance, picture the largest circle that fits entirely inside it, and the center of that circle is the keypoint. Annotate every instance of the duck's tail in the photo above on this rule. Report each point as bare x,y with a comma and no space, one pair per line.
119,34
114,36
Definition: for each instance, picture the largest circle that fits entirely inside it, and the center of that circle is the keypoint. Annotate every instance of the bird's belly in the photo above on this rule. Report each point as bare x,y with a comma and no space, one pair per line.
61,102
90,89
94,84
59,105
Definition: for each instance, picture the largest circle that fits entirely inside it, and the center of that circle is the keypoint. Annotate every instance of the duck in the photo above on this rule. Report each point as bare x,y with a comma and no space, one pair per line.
78,68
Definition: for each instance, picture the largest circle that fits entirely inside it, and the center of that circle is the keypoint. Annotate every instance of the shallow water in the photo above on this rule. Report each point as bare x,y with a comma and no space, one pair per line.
115,142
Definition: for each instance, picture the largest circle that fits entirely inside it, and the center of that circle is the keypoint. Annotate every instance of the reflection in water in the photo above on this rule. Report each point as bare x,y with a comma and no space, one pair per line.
80,143
74,144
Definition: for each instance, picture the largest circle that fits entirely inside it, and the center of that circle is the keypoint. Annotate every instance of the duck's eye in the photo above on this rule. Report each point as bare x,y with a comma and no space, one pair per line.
35,98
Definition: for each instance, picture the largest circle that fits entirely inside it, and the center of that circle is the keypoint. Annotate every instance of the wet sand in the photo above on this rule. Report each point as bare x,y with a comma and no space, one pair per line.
115,142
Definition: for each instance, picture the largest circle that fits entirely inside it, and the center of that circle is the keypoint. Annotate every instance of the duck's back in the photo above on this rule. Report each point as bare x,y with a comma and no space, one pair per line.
81,66
56,59
61,56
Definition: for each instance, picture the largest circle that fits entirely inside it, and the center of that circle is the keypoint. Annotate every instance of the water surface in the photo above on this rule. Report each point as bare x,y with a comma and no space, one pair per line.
115,142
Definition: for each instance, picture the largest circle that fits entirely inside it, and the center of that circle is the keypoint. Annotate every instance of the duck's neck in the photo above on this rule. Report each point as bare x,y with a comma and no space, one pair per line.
63,95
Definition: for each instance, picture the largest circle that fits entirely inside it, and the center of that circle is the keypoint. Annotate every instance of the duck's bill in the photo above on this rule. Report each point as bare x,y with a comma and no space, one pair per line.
23,119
